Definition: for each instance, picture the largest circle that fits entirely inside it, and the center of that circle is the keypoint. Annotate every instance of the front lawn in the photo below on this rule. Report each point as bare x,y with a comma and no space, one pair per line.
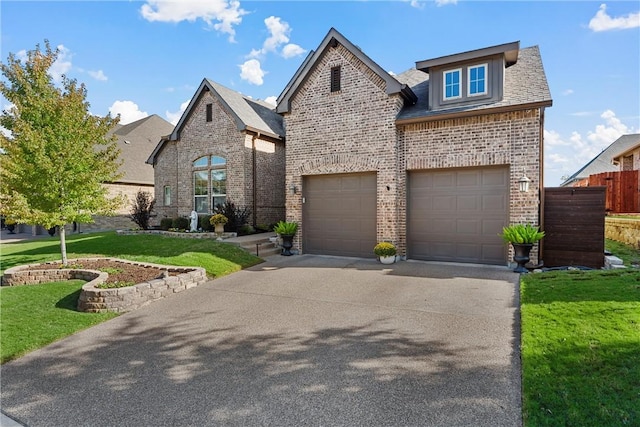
581,348
36,315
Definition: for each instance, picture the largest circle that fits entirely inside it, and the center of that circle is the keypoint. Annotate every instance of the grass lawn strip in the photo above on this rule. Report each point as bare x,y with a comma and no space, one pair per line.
581,348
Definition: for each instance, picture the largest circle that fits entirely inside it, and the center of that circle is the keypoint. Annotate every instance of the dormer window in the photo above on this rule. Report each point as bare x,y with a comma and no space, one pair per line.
452,80
477,76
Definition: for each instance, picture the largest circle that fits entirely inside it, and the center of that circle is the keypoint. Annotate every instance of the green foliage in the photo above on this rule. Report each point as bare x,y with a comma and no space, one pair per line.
237,215
627,253
115,285
218,219
521,233
384,249
180,223
141,209
204,222
57,154
166,223
580,341
284,228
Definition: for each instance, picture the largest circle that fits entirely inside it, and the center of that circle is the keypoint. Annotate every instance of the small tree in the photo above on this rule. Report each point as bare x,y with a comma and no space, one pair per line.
141,209
57,154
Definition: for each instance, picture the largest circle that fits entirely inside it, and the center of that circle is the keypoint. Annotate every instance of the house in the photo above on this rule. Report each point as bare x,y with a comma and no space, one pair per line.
429,160
604,162
630,159
225,147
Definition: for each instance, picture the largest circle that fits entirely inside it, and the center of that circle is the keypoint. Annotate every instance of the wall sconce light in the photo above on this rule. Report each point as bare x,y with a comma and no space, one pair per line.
523,183
293,189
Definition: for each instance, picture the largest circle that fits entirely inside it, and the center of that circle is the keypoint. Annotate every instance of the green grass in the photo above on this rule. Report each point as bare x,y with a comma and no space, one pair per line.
36,315
581,348
626,253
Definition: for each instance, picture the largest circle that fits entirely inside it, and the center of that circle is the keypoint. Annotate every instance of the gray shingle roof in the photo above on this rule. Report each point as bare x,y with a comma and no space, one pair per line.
603,161
136,141
524,83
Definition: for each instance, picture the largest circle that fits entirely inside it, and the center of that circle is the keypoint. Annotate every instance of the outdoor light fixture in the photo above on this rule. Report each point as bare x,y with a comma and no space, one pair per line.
524,184
293,189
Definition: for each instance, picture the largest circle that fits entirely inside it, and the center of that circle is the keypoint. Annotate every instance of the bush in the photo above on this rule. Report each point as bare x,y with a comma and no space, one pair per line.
204,222
384,249
141,209
237,215
181,223
166,223
246,229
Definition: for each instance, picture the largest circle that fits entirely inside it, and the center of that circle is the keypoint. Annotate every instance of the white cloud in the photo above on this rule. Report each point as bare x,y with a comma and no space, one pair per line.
445,2
567,92
417,4
61,65
271,100
291,50
607,133
582,114
224,13
553,138
252,72
98,75
175,117
128,110
603,22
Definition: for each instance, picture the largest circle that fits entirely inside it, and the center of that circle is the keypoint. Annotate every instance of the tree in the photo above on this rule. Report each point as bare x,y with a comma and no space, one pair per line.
56,154
141,209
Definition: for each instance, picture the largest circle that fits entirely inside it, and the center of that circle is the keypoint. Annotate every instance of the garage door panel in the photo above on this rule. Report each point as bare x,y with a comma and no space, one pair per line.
459,215
339,214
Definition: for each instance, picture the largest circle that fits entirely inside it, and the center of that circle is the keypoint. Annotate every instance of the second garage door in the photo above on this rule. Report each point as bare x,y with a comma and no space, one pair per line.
339,214
456,215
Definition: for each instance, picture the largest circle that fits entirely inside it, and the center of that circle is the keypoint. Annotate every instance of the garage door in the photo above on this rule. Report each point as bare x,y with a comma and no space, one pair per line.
339,214
456,215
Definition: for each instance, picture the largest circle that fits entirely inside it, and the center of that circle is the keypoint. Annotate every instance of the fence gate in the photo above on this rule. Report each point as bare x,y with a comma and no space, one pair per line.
573,221
622,190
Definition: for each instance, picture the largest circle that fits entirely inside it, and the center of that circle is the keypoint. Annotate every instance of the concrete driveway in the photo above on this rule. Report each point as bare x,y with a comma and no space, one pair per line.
302,340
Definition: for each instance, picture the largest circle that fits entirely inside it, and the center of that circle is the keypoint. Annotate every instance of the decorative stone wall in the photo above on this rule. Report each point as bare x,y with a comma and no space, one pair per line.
623,230
96,300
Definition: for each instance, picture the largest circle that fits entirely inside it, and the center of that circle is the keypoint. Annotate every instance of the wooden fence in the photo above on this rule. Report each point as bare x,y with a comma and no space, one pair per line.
573,221
622,190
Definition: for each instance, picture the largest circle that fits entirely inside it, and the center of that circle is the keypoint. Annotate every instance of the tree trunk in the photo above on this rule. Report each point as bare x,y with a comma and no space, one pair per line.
63,245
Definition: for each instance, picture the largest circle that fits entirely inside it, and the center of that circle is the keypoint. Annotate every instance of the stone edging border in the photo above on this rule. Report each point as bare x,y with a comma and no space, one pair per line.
118,300
180,235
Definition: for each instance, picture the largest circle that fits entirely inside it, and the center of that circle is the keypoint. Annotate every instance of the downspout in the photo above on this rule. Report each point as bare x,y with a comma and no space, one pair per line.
254,178
541,189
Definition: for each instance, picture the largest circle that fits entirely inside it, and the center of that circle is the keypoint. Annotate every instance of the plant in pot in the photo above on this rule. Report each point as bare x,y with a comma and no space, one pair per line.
218,221
286,230
386,252
522,237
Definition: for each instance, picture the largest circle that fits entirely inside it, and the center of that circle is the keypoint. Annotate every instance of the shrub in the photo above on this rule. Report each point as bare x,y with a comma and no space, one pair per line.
521,233
204,222
237,215
141,209
284,228
218,219
166,223
181,223
246,229
384,249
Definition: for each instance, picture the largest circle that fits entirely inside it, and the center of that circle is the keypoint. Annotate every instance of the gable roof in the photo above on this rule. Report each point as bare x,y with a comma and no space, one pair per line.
525,83
136,141
603,162
332,38
248,114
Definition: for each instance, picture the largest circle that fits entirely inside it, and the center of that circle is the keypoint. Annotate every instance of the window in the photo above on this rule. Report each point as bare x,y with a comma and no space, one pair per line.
209,112
477,76
167,195
210,178
335,79
452,84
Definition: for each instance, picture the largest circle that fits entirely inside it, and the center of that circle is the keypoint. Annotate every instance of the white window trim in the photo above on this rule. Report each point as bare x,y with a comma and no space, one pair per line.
167,195
486,80
444,84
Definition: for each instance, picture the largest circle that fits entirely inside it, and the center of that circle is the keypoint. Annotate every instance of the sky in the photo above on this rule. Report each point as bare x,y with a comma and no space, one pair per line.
139,58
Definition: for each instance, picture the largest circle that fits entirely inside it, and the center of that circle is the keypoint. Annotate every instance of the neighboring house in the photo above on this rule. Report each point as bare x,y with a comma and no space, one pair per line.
225,147
136,141
630,159
604,162
429,160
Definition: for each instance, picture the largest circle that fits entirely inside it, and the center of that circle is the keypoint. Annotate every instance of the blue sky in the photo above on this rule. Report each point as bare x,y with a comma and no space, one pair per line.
148,57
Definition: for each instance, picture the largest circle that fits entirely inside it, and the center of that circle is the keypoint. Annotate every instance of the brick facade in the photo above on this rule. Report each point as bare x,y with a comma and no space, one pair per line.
242,150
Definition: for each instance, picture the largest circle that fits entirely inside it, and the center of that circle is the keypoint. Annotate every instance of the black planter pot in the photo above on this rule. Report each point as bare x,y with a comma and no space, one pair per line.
11,228
521,256
287,244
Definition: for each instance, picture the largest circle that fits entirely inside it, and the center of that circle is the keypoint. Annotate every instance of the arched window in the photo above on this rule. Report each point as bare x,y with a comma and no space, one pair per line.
209,178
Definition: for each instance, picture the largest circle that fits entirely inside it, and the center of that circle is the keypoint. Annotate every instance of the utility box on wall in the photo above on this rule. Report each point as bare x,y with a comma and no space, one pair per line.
573,221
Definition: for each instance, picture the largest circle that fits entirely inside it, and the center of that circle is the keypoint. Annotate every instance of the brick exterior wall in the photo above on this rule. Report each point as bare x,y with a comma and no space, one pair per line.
354,130
220,137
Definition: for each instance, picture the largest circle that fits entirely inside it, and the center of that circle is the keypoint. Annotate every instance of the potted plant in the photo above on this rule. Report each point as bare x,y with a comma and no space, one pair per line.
11,225
286,230
218,221
522,237
386,252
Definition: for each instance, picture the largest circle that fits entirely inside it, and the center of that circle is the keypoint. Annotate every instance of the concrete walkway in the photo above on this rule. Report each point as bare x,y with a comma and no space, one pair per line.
302,340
